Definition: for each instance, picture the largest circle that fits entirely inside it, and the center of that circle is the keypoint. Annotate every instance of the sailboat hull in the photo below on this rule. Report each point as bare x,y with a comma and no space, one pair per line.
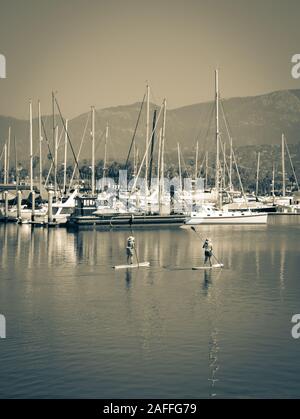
229,218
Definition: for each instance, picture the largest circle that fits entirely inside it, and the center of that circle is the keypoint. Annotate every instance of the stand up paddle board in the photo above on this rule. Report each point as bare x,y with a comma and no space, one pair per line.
217,265
134,265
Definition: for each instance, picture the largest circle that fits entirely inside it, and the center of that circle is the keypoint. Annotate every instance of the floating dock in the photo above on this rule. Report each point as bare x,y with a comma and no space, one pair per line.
127,221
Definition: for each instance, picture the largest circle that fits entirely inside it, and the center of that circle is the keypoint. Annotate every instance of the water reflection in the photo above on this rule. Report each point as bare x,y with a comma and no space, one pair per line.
175,248
4,247
201,332
212,293
213,362
207,281
128,278
282,268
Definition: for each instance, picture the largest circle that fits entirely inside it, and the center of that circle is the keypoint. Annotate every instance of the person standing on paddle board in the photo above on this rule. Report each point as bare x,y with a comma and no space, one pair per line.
130,246
208,251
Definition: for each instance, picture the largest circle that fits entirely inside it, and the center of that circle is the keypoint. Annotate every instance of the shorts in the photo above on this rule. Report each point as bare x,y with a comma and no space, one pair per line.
129,251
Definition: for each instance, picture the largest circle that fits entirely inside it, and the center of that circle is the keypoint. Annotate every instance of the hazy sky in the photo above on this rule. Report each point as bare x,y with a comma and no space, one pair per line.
101,52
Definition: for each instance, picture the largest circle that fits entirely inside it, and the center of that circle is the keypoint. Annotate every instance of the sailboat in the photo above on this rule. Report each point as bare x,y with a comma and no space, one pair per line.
211,214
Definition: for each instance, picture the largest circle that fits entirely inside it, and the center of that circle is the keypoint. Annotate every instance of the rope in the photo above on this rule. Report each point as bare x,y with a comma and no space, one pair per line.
135,130
143,160
51,166
290,158
50,154
68,136
233,154
74,170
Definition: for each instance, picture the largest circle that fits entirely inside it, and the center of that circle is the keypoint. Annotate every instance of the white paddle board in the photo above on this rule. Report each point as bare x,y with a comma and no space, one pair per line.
217,265
134,265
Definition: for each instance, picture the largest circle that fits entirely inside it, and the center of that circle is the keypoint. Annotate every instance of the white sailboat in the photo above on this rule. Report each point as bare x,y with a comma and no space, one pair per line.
209,214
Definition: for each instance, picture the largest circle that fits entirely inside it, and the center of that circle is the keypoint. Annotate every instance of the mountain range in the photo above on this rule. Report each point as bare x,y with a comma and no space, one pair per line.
251,121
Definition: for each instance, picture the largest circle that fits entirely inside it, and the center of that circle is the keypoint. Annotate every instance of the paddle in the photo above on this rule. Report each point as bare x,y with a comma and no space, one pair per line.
195,231
138,262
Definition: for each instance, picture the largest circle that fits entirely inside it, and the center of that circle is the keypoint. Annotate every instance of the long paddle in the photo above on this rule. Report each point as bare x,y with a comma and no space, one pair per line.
195,231
138,262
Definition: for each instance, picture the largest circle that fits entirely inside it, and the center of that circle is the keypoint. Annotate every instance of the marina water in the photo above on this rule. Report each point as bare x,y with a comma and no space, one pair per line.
77,328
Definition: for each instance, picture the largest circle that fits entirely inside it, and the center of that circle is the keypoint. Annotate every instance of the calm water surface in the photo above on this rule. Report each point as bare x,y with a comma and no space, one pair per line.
77,328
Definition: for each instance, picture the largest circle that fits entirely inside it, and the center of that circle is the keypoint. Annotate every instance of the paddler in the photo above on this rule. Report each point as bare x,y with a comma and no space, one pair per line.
130,246
208,251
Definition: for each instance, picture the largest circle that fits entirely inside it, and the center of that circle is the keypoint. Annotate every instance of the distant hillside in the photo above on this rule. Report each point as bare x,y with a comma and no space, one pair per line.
258,120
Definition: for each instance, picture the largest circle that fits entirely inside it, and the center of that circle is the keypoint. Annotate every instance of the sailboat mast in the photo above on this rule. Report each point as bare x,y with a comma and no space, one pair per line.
105,155
5,163
257,172
163,138
40,147
158,169
31,146
8,154
16,164
65,157
105,151
55,159
273,183
196,160
159,155
217,180
152,149
134,159
147,136
93,148
283,164
53,120
230,166
206,169
224,165
179,165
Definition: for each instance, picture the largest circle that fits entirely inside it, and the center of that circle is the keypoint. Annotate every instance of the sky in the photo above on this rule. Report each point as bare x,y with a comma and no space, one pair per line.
103,52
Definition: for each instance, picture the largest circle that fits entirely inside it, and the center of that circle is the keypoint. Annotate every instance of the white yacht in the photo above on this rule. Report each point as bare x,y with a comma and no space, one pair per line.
64,207
211,215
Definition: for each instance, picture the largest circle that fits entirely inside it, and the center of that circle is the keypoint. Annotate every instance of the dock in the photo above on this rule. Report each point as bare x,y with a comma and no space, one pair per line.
127,221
